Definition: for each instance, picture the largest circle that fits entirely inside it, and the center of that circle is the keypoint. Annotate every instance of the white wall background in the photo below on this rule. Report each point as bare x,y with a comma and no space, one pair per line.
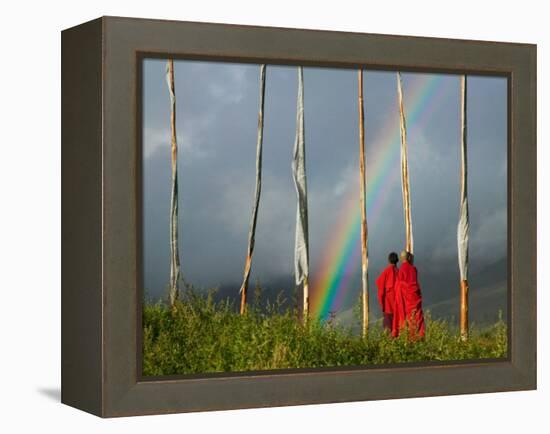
30,229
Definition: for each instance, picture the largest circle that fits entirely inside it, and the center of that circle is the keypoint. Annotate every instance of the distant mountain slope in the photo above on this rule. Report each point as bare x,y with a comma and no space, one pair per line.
484,305
440,291
488,296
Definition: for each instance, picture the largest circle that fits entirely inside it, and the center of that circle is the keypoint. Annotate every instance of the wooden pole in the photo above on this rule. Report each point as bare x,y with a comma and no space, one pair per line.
464,220
258,189
306,299
301,240
244,287
464,309
405,183
362,201
174,250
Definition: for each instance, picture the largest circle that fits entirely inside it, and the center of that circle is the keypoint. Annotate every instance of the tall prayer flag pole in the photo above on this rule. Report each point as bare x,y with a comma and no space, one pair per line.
174,251
362,196
252,230
405,184
301,248
464,220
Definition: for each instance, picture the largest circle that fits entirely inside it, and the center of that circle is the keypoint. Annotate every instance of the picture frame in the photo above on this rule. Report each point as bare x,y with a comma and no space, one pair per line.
101,218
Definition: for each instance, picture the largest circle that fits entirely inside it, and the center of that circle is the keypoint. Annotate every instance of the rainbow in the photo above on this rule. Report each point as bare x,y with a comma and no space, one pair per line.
341,261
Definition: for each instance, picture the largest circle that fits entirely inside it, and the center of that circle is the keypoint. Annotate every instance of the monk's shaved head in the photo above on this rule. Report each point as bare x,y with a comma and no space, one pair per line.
405,256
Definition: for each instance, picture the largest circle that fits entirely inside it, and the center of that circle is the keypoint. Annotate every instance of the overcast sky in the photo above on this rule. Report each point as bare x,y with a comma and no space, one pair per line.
217,105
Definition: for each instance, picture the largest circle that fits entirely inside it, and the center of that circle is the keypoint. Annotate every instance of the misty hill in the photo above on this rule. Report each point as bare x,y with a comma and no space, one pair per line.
279,287
487,295
440,290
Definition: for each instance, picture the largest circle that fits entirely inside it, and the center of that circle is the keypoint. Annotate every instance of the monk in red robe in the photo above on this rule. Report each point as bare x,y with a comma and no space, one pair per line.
408,299
386,291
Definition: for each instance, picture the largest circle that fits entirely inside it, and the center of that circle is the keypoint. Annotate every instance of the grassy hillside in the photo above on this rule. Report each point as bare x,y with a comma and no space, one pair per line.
204,335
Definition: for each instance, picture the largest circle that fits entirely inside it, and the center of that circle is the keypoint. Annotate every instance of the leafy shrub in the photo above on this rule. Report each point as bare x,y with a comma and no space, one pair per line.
200,335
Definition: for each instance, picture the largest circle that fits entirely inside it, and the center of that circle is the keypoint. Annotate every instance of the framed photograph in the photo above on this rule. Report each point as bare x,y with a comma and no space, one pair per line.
258,216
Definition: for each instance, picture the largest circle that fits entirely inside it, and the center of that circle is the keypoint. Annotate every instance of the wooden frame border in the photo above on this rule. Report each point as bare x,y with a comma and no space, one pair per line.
101,215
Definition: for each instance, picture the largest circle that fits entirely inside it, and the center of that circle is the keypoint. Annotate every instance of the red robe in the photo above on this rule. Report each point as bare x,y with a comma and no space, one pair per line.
386,293
386,296
408,302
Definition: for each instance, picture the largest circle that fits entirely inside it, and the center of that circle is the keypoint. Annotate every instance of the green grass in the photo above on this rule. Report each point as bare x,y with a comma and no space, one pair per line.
202,335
